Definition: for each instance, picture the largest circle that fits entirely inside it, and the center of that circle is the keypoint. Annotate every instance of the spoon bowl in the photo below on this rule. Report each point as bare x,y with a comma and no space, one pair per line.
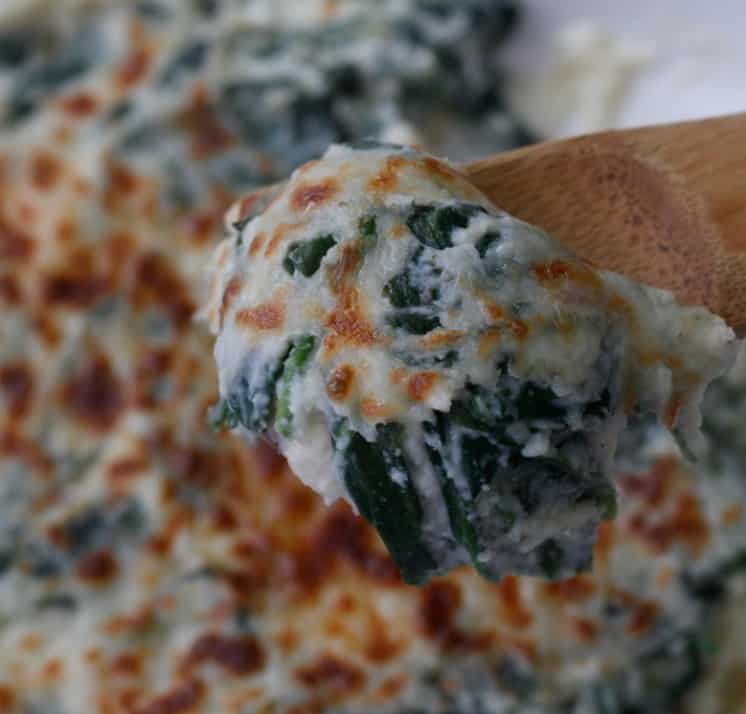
664,205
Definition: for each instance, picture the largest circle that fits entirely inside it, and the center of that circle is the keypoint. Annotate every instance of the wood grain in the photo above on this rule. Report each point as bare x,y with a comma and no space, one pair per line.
664,205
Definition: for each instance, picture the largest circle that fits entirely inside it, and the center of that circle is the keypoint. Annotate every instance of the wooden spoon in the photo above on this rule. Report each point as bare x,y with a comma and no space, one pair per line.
663,205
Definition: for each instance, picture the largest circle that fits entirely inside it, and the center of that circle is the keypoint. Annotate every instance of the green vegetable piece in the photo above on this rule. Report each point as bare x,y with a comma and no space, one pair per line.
187,60
461,526
6,561
306,256
501,487
414,322
41,81
537,402
428,360
400,291
486,242
299,355
673,667
377,478
221,416
433,225
711,585
251,396
551,558
57,601
606,699
368,229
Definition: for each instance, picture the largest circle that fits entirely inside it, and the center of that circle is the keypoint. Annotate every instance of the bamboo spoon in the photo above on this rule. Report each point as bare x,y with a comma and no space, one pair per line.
663,205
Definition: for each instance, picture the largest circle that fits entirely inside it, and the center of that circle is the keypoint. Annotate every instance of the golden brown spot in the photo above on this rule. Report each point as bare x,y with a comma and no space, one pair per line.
126,468
508,591
439,602
77,288
398,230
348,323
79,105
620,306
732,515
381,647
420,385
157,281
497,315
374,410
664,577
9,290
94,395
440,338
182,699
311,195
119,249
340,382
287,640
122,182
604,543
642,618
278,236
672,411
52,670
387,179
652,486
338,274
583,629
45,170
331,674
487,341
576,589
269,316
232,289
97,568
685,524
129,664
341,537
14,244
133,69
7,700
437,168
202,227
31,642
67,230
559,271
239,656
438,606
17,386
207,135
392,686
398,375
256,244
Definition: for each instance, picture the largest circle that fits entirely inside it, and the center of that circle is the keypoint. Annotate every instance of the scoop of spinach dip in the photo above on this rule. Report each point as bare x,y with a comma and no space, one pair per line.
455,373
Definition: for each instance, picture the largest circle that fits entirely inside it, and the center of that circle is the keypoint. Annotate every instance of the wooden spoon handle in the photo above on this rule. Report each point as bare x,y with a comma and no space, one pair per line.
664,205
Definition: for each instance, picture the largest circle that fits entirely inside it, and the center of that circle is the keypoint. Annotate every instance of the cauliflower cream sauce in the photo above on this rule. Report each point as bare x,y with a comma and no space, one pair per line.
380,291
151,565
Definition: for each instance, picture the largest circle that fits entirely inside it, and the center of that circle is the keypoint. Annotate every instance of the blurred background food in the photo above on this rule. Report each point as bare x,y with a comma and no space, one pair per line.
149,565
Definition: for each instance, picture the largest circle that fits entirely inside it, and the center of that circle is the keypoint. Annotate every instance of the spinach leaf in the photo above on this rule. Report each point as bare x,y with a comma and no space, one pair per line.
378,480
306,256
